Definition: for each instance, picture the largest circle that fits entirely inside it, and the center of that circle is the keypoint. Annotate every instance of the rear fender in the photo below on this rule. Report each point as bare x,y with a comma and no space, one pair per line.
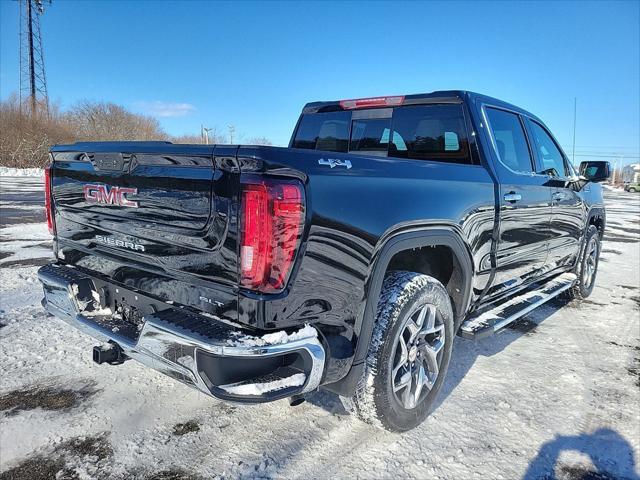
438,236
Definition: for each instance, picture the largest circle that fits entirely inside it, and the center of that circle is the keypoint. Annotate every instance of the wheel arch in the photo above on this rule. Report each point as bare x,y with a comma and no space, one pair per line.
406,242
392,245
597,217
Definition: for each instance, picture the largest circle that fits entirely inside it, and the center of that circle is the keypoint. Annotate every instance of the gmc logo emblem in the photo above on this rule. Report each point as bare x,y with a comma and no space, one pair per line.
94,193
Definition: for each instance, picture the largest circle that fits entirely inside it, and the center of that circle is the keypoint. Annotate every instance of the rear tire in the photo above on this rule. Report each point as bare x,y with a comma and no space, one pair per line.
587,268
409,353
632,190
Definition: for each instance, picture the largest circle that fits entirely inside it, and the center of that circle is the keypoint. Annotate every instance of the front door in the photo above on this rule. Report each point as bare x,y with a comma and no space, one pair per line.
568,209
525,204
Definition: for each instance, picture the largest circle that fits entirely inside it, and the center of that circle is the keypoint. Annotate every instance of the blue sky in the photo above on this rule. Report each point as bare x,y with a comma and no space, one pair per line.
255,64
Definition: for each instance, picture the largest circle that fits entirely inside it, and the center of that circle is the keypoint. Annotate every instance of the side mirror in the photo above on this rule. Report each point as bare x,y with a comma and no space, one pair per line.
595,171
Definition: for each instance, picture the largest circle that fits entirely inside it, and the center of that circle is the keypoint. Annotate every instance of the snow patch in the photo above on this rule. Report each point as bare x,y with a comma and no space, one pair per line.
257,389
24,241
100,312
276,338
21,172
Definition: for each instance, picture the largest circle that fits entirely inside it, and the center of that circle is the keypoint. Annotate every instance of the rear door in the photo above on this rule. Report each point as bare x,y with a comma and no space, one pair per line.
524,202
568,211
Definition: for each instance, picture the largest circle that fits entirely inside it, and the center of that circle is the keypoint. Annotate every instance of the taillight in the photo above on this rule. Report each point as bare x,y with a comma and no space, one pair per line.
372,102
271,222
48,201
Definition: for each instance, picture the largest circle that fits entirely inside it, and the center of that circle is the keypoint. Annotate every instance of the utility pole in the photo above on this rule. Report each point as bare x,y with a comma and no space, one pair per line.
33,81
617,172
232,130
575,108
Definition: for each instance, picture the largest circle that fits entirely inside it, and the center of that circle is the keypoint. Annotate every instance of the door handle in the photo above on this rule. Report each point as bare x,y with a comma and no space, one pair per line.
512,197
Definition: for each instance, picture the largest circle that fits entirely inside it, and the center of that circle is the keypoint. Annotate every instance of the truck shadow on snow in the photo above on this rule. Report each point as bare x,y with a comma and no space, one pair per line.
606,448
466,352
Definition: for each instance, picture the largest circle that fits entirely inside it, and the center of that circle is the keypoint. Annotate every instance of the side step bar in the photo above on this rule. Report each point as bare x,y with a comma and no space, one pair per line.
490,321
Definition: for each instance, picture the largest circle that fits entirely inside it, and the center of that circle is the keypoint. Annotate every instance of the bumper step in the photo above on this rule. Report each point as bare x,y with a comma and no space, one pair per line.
488,322
201,351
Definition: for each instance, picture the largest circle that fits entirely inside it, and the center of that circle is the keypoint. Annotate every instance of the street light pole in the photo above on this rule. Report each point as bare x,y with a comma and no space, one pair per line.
206,134
573,152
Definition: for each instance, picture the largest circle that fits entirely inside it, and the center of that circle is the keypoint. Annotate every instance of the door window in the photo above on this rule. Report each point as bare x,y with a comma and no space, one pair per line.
511,142
550,156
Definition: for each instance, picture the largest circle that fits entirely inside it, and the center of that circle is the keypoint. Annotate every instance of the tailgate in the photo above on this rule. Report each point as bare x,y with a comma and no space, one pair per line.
151,215
156,189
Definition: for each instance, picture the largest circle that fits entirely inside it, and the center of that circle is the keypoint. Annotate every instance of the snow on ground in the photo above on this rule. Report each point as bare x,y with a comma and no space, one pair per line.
557,393
21,172
23,243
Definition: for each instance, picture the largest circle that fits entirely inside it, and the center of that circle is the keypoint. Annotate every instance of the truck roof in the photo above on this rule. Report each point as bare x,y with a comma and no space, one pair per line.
439,96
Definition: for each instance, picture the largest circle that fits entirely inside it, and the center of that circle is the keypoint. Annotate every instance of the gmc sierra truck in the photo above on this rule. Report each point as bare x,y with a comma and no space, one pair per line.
347,262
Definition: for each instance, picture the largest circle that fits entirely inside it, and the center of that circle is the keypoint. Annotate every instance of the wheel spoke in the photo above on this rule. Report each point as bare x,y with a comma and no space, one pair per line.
434,329
431,357
404,357
404,381
420,380
407,398
421,315
414,330
436,346
431,318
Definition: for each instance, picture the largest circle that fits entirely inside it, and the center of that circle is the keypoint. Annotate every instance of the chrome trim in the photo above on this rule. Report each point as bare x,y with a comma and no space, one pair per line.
543,299
168,348
545,294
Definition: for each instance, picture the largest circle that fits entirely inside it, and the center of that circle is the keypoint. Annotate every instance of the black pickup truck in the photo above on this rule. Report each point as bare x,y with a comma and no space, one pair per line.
346,262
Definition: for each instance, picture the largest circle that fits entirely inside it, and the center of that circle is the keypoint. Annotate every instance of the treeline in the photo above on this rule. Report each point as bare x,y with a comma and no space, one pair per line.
25,138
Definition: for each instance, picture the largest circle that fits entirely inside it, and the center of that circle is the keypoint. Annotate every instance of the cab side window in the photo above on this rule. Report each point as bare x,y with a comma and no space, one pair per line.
549,154
511,143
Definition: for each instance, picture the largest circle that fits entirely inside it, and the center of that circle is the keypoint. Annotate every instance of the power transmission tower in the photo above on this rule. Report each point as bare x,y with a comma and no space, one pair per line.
33,82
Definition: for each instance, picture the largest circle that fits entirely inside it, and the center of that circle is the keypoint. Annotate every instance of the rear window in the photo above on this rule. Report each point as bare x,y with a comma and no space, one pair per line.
430,132
370,136
424,132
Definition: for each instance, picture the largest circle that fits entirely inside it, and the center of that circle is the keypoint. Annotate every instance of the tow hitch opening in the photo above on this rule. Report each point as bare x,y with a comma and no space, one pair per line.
110,353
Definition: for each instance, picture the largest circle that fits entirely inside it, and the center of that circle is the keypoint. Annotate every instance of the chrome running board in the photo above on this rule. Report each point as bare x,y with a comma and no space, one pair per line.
488,322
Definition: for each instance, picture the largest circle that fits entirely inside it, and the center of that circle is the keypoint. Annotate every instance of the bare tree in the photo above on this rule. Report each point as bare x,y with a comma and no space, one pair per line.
214,138
94,121
25,138
191,139
259,141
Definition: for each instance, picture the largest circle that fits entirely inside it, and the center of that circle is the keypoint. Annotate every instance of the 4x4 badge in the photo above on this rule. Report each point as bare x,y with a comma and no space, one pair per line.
335,162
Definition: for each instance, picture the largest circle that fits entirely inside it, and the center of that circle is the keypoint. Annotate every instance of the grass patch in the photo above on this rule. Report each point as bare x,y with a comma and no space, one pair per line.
187,427
47,398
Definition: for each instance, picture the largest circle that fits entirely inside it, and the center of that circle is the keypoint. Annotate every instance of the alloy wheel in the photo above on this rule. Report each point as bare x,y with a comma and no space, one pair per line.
591,262
416,358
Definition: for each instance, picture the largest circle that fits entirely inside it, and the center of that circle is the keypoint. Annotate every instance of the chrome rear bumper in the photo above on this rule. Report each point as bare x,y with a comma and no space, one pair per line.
201,351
